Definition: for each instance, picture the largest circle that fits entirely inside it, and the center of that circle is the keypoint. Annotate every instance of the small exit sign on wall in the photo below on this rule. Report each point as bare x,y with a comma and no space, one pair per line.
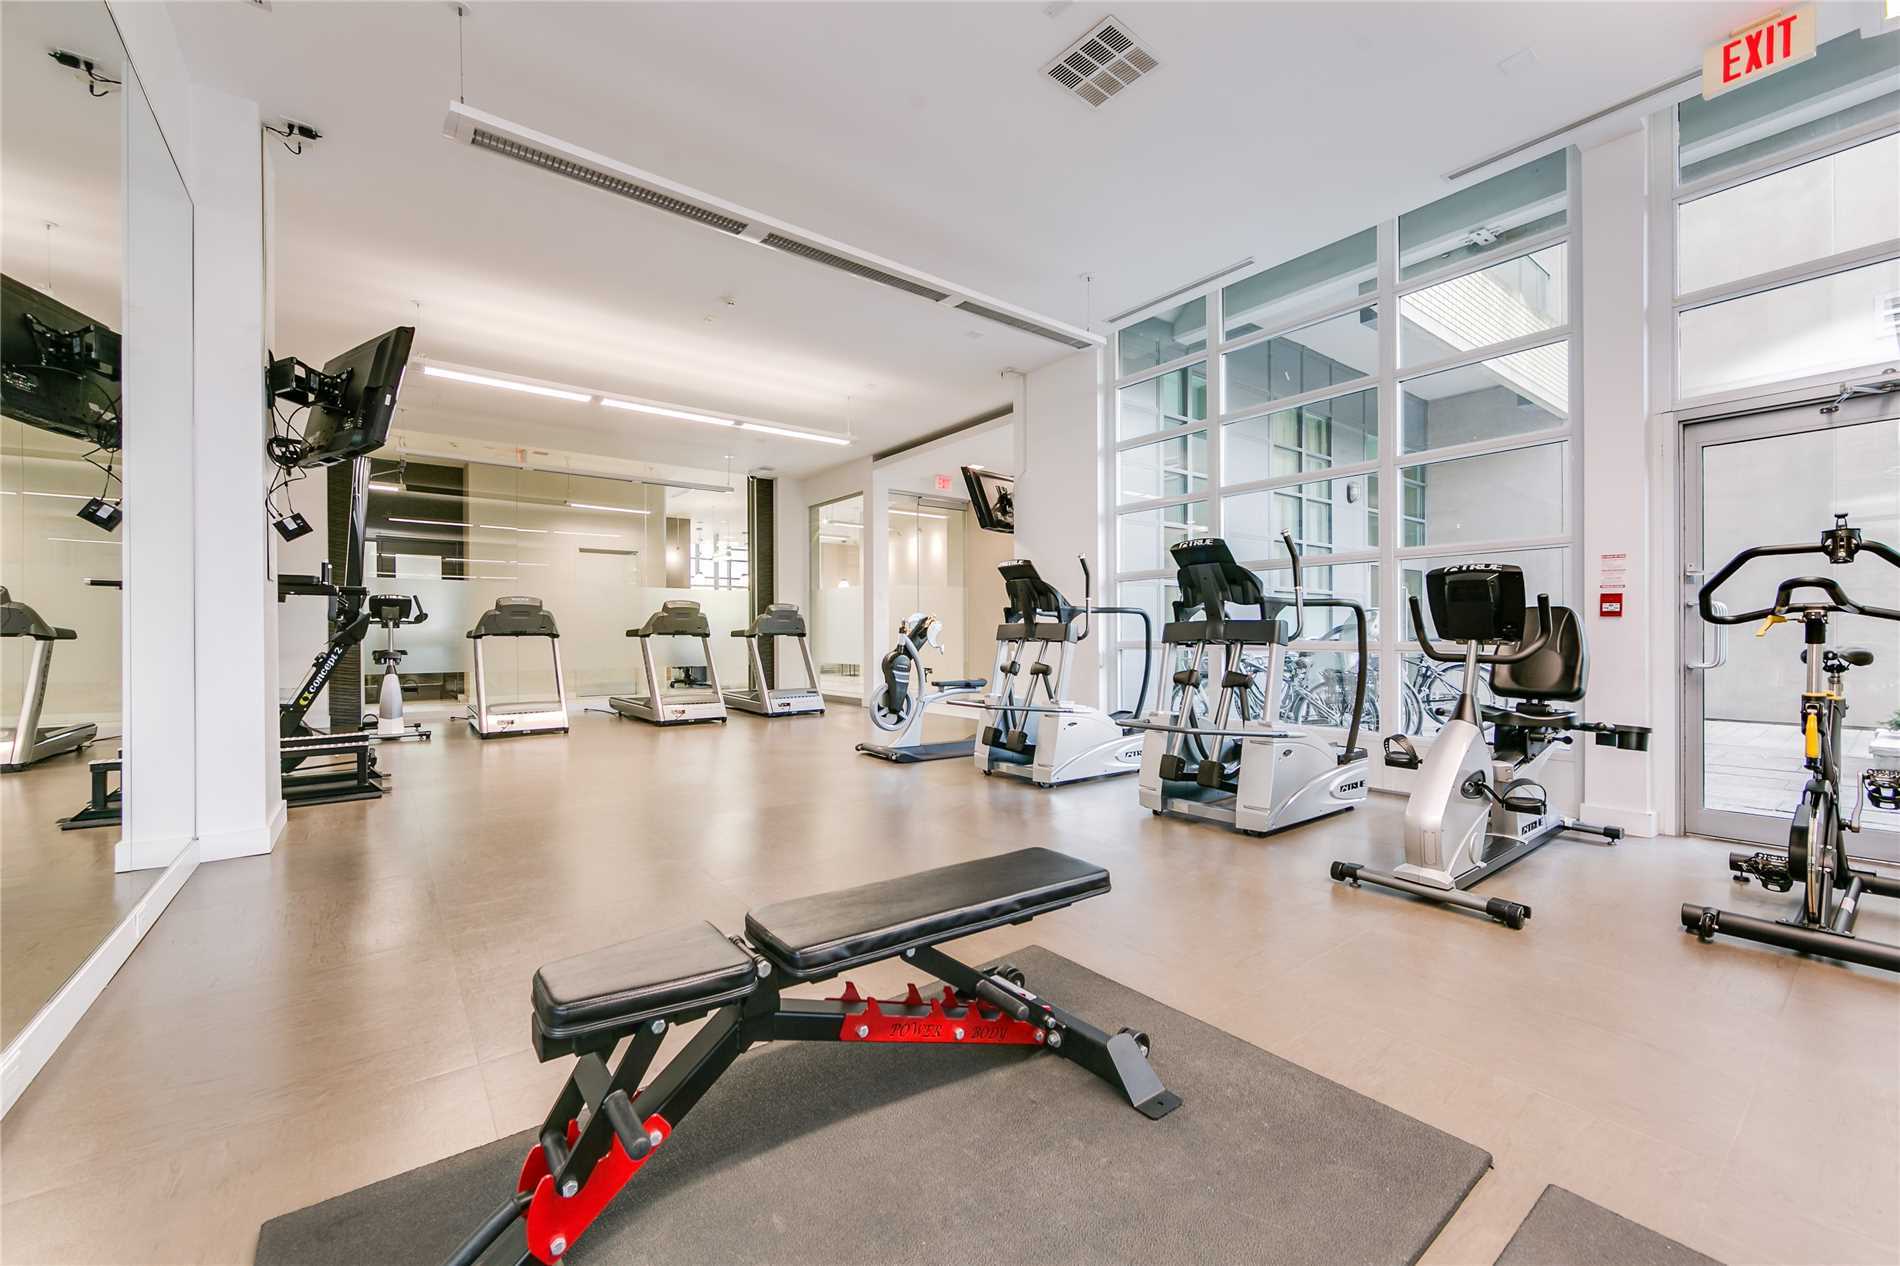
1758,50
943,483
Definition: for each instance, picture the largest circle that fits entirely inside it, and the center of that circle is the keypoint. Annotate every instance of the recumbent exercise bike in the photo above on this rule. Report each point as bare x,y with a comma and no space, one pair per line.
1477,808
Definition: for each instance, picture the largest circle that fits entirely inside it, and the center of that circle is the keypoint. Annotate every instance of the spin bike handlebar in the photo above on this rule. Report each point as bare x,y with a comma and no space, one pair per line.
1524,651
1837,600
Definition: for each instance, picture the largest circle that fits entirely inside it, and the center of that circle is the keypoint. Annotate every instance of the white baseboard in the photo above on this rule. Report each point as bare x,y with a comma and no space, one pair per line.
23,1058
1635,822
148,854
249,842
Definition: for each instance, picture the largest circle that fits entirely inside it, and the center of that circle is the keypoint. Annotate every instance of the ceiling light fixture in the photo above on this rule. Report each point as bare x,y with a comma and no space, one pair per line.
652,407
662,411
790,434
506,384
588,505
481,130
429,522
503,527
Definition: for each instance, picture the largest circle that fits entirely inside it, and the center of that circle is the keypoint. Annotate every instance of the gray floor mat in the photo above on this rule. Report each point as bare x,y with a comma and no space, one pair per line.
825,1153
1564,1229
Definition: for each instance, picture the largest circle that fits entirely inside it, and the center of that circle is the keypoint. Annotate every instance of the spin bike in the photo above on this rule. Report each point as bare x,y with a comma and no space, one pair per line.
1245,771
1475,809
904,694
1817,840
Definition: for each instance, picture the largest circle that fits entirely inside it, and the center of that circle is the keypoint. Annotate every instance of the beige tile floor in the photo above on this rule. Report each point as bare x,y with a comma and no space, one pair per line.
355,1005
58,896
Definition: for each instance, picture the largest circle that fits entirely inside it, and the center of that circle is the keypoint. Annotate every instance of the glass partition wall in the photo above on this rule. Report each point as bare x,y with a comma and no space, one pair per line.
602,554
1395,401
837,597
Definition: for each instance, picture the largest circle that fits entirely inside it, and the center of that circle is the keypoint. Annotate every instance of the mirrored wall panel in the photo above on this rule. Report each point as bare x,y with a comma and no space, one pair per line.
62,489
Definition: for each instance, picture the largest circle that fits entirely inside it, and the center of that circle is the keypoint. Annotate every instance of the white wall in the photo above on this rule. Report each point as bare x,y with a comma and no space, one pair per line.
1059,497
1619,787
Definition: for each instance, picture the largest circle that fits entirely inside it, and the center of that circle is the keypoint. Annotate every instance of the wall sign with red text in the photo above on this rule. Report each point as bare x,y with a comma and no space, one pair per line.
1778,41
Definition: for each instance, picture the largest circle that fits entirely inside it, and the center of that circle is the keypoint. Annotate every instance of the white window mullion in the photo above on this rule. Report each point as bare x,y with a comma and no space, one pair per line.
1391,495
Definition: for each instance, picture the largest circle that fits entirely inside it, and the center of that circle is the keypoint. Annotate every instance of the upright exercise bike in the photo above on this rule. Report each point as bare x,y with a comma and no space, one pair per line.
392,611
1817,836
1476,809
1031,728
1248,772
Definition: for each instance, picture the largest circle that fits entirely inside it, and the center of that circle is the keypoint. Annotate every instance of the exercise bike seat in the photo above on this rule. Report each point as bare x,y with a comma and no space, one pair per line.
590,1001
1530,716
812,938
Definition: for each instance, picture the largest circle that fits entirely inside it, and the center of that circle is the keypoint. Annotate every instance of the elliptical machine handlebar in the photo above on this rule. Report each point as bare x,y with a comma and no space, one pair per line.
1524,651
1299,588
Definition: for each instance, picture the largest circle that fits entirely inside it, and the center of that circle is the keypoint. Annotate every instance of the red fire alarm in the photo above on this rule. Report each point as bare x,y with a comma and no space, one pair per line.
1610,606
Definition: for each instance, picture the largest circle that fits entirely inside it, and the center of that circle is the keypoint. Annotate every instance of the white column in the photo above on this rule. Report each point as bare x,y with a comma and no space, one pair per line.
1619,788
1059,496
240,800
160,770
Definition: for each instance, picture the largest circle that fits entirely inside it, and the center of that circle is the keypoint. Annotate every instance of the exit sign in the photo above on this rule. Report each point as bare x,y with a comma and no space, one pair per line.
1758,50
943,483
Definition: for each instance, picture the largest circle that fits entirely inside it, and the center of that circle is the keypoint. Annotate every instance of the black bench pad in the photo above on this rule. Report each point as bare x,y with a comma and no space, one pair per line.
816,937
610,990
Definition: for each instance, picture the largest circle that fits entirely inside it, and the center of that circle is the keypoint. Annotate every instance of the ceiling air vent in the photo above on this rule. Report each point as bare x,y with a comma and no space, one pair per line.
1101,63
484,131
1016,322
482,138
817,255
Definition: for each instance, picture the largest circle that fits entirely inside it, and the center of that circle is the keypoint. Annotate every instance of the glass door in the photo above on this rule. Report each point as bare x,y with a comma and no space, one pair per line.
926,574
836,605
1779,478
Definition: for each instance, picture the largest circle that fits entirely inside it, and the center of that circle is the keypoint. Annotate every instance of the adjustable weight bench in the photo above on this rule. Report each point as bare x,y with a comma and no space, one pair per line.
604,1126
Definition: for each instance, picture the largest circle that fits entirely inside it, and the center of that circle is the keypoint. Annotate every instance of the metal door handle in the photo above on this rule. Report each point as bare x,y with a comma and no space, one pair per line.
1721,642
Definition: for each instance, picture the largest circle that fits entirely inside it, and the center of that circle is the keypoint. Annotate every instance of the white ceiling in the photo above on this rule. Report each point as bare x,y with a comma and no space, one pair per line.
922,132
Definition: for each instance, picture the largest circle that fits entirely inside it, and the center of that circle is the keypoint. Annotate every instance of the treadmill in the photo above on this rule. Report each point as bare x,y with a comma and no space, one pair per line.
685,698
28,742
781,619
517,617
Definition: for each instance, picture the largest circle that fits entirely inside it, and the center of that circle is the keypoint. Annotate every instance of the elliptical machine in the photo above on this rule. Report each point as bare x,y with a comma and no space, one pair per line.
1474,810
1056,740
392,611
1245,771
904,694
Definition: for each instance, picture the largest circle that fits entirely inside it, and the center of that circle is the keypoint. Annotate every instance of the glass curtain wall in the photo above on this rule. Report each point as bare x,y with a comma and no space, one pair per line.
1394,401
837,596
601,553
